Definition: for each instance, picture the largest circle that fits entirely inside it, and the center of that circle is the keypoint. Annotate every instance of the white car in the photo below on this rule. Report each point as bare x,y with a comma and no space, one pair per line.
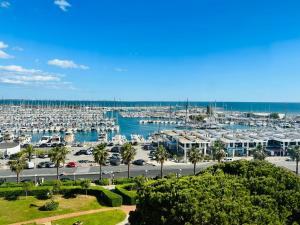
228,159
30,165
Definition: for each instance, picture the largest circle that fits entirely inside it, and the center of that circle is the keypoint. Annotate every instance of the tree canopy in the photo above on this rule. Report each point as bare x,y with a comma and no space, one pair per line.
239,192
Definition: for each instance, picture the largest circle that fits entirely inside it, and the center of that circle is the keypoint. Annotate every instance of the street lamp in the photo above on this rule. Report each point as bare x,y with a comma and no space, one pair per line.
146,172
179,173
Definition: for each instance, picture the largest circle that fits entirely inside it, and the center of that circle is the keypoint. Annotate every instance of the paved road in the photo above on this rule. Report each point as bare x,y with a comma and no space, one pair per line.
93,172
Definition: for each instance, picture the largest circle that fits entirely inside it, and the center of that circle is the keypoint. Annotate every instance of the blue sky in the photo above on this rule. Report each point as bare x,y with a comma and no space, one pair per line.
204,50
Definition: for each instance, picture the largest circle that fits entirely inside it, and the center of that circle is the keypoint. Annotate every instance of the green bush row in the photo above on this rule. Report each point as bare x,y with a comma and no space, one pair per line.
127,192
123,180
108,197
103,182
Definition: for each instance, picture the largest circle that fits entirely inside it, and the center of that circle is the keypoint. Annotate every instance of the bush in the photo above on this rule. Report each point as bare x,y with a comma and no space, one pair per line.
9,192
110,198
103,182
63,183
123,180
128,193
10,184
50,206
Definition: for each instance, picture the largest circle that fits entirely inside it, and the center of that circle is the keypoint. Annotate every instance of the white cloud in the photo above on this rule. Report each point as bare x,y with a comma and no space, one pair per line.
120,70
4,4
3,45
66,64
18,75
3,54
62,4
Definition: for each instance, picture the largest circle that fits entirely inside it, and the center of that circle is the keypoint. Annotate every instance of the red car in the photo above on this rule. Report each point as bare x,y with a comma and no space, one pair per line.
72,164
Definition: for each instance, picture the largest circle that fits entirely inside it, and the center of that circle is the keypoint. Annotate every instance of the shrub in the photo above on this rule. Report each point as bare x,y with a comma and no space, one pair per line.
123,180
127,193
50,206
10,184
110,198
63,183
103,182
8,192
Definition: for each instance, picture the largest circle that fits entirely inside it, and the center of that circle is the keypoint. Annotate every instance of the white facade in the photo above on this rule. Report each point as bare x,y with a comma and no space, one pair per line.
8,149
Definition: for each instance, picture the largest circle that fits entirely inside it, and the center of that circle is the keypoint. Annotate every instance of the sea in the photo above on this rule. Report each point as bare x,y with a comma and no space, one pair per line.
130,126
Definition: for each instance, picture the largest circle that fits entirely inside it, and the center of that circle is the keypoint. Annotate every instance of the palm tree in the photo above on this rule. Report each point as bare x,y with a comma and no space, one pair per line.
29,151
259,153
295,155
218,151
195,156
57,156
128,153
17,165
100,156
161,155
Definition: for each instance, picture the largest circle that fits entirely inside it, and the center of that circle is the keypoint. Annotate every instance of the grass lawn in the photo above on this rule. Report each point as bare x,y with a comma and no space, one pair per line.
103,218
25,209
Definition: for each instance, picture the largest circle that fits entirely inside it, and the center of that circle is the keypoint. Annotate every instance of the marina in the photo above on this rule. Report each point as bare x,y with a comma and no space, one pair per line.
185,126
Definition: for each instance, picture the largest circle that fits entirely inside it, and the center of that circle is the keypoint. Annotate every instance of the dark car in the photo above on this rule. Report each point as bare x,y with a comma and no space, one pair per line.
44,145
116,149
81,152
139,162
50,165
42,165
115,162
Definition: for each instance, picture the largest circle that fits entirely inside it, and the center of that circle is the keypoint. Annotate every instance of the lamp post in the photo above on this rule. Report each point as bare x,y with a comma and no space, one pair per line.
146,172
179,173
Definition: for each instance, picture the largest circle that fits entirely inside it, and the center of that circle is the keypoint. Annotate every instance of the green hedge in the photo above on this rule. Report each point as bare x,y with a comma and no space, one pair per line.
103,182
123,180
10,184
108,197
129,196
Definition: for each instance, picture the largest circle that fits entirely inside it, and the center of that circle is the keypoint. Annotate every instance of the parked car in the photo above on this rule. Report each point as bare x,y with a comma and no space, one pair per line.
42,165
116,149
71,164
115,162
50,165
80,152
139,162
29,165
43,156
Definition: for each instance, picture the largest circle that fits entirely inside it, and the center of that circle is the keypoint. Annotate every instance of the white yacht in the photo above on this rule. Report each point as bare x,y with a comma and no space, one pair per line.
44,140
119,139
